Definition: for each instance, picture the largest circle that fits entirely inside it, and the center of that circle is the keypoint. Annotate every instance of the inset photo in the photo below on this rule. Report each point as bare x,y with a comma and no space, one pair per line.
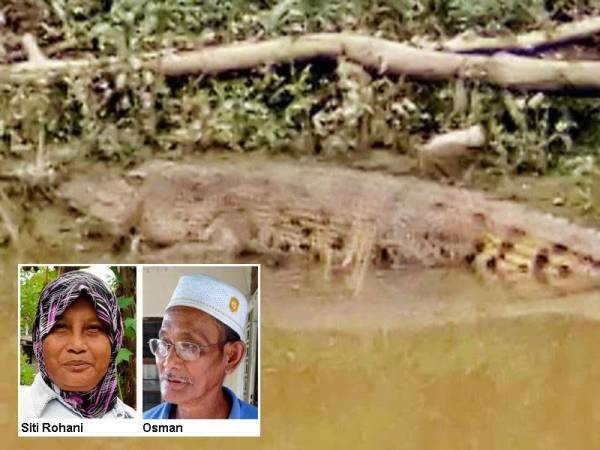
201,342
77,335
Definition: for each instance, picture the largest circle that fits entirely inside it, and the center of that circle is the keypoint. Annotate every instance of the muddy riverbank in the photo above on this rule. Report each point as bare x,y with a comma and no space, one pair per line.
418,358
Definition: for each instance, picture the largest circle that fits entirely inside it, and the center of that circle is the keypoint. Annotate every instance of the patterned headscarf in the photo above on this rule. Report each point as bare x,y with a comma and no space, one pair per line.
55,298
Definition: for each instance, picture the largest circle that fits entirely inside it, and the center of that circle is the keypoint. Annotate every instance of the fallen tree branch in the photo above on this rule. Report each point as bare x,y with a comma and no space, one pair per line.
455,143
444,149
53,49
528,42
387,57
34,54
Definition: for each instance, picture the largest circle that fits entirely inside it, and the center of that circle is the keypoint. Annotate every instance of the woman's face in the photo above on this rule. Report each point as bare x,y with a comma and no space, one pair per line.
77,349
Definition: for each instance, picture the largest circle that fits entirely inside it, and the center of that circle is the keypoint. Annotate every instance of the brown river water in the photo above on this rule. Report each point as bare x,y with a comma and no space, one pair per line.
417,359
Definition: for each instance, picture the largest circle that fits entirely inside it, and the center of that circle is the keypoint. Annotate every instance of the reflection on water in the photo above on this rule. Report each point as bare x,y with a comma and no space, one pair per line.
428,360
523,383
420,359
414,298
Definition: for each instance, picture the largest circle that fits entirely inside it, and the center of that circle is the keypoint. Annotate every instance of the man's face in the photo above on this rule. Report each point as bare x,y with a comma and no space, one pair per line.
190,381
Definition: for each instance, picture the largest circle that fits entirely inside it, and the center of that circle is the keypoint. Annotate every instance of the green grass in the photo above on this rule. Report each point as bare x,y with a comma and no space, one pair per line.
318,108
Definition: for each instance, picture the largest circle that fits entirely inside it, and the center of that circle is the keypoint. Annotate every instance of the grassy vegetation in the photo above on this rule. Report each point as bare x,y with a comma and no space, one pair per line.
319,108
115,26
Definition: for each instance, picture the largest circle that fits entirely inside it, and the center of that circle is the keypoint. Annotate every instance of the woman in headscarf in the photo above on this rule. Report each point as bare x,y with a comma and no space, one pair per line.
77,333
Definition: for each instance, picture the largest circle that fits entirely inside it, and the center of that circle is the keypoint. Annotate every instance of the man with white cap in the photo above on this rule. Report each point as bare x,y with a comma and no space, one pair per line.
199,344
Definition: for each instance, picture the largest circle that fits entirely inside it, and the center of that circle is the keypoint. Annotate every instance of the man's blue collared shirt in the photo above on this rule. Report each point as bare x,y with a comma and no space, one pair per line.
239,409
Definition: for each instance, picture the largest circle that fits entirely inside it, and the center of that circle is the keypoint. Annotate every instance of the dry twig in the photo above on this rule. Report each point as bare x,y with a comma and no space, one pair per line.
539,39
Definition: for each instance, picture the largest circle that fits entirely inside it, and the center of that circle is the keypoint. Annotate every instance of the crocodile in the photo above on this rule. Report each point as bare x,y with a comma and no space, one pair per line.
341,217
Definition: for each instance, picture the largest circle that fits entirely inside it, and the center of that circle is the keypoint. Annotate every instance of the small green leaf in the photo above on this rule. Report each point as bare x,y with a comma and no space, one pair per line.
124,302
130,327
118,276
129,323
123,355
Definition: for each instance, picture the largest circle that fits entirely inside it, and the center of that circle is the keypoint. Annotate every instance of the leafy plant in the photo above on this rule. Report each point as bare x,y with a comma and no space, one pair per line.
125,360
32,281
26,371
321,108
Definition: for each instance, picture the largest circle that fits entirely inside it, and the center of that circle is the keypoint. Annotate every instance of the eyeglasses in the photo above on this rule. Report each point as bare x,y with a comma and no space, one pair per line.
188,351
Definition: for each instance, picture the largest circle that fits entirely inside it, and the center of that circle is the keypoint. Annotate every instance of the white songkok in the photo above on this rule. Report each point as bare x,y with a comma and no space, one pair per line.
216,298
